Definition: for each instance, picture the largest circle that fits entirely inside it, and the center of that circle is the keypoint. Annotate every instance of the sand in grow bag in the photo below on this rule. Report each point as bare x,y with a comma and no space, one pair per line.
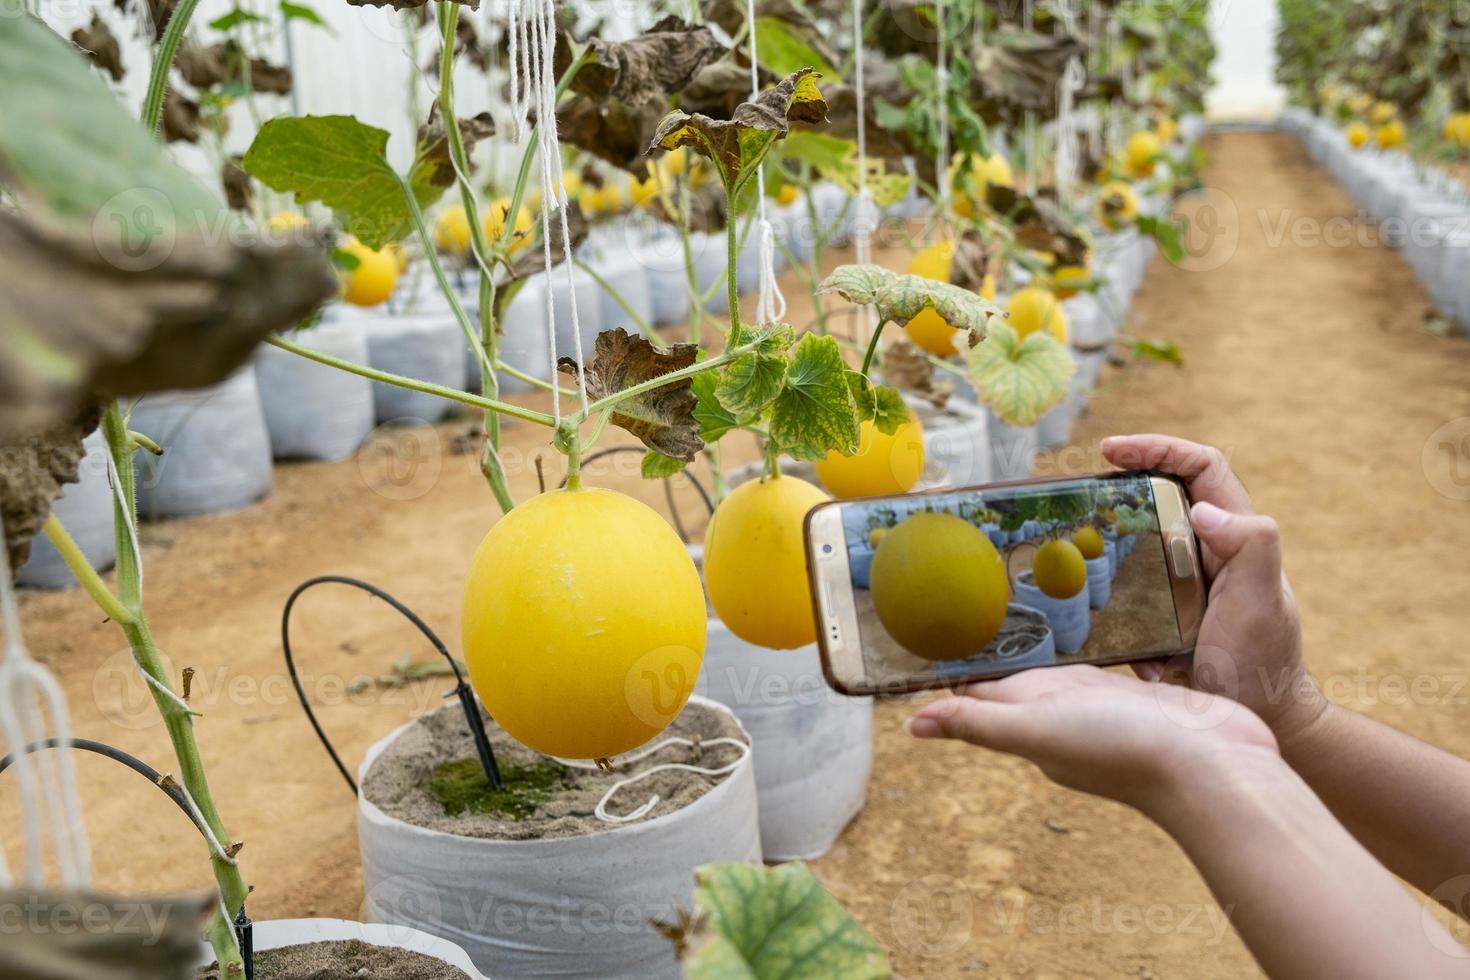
345,960
430,777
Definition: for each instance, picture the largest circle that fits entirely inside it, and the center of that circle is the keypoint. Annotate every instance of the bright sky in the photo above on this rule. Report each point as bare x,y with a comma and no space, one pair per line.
1245,65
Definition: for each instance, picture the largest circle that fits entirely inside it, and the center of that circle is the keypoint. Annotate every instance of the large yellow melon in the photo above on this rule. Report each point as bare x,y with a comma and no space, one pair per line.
939,586
584,623
1059,569
755,562
883,464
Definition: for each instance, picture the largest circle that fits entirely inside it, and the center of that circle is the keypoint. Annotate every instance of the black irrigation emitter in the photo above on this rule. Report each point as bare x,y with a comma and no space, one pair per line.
462,689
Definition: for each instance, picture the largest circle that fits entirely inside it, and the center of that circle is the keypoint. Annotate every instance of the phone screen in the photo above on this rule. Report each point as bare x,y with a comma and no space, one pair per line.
983,582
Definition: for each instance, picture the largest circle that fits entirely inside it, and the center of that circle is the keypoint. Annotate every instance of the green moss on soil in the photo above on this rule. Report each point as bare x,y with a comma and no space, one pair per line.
460,785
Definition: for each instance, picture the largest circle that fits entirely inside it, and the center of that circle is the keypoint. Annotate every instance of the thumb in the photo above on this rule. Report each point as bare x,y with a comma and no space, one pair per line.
990,724
1248,543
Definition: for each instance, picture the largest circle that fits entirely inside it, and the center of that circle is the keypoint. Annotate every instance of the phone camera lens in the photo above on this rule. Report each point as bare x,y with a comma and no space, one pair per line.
826,549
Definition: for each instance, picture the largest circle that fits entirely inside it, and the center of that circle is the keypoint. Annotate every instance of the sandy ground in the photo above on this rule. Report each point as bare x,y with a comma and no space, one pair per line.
1305,362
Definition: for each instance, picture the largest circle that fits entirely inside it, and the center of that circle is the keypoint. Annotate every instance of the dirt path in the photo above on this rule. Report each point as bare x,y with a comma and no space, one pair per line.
1306,363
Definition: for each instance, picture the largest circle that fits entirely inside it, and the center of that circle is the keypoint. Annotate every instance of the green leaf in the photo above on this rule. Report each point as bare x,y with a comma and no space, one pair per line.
234,19
1166,233
889,411
1165,351
784,51
770,923
344,164
815,413
714,419
751,383
1020,379
300,11
827,154
737,145
657,466
899,298
68,145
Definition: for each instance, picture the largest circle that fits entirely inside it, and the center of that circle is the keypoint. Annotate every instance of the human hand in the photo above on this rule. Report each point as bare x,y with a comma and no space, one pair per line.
1100,732
1250,646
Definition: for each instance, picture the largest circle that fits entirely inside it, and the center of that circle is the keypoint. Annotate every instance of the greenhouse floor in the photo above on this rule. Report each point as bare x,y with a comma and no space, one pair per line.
963,863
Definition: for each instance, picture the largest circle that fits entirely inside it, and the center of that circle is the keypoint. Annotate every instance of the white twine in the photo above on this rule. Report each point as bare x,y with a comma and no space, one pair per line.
770,304
642,811
862,237
114,479
1028,20
532,24
215,846
23,682
1068,86
941,74
1066,159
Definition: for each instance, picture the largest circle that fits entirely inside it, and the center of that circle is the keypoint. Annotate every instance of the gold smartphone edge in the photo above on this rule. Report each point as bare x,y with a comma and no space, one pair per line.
832,601
1172,506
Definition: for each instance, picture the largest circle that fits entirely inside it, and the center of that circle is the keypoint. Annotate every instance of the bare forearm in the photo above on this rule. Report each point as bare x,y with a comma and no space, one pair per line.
1405,800
1305,896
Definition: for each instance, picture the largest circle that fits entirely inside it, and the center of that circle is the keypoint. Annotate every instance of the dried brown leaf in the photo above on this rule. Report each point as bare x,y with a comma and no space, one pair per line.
663,417
906,368
90,316
100,46
432,164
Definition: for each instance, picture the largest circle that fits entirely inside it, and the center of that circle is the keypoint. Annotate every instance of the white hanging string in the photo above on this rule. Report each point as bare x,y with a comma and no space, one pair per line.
770,304
941,75
642,811
1028,21
24,683
533,42
1070,84
863,232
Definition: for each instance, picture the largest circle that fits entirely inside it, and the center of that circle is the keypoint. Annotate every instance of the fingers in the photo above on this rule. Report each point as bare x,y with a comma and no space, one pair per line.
1031,684
1204,469
995,725
1246,544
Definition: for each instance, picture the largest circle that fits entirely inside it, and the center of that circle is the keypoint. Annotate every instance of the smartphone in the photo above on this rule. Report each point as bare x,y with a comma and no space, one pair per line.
933,589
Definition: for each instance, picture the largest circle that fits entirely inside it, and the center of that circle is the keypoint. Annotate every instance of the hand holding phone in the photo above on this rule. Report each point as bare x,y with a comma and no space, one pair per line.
942,588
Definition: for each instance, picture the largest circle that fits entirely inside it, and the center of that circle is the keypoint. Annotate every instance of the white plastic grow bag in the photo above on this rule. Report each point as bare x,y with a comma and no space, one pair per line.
1099,581
313,411
625,273
1012,450
85,509
1070,619
217,455
280,933
563,907
813,747
522,342
956,444
425,346
662,259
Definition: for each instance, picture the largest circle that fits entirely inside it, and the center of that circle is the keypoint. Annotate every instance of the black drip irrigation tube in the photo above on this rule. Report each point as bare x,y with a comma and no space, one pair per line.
462,689
244,928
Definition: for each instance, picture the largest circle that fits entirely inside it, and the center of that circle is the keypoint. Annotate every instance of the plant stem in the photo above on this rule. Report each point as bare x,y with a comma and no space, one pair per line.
413,384
163,62
531,379
86,575
873,346
178,719
432,254
732,250
487,344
